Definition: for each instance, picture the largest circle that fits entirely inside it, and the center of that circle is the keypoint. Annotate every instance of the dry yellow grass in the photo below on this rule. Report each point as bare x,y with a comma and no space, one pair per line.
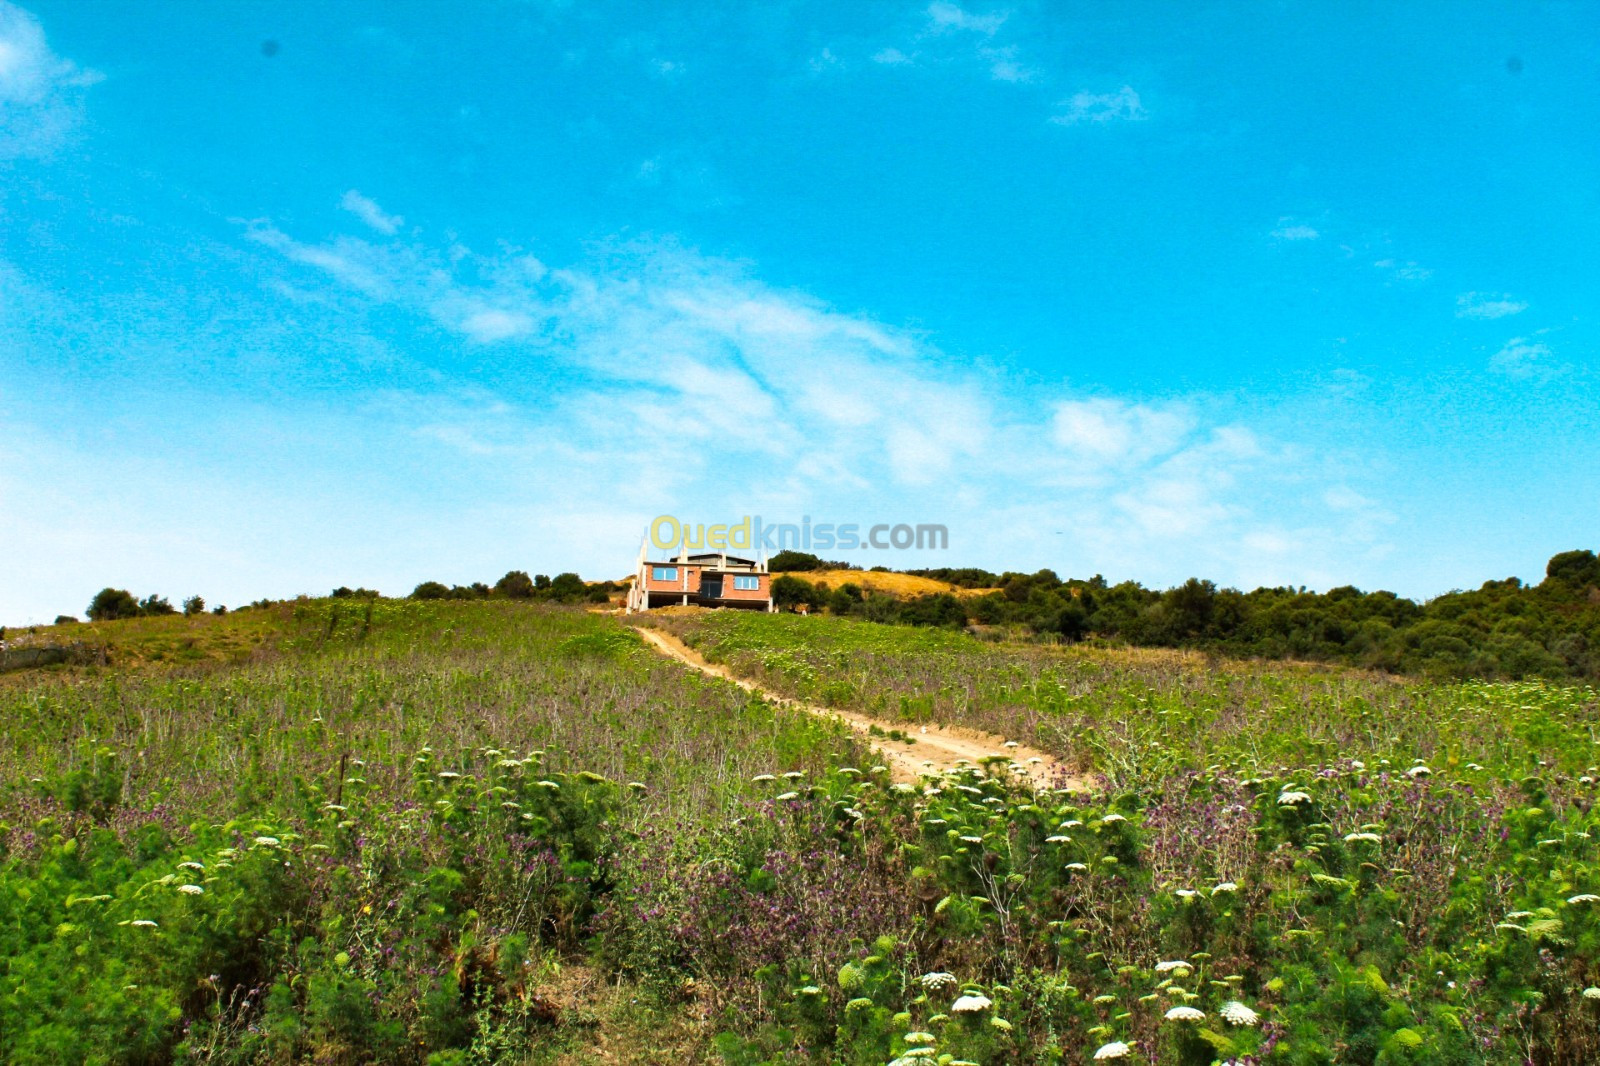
874,581
891,584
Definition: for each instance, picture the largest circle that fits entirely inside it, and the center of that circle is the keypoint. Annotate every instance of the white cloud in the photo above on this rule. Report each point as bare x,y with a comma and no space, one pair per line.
1344,498
1084,106
490,324
1003,61
824,61
1523,357
1290,230
943,16
1488,305
41,94
1005,66
1113,432
657,376
368,211
954,34
1404,270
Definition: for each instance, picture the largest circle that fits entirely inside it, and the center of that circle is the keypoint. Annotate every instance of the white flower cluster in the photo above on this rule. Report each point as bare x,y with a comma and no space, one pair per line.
1236,1013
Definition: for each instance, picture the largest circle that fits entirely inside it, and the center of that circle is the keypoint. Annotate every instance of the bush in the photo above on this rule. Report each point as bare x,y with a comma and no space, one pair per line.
194,605
1579,569
792,561
791,591
845,599
110,604
567,587
516,585
799,562
431,590
156,606
66,620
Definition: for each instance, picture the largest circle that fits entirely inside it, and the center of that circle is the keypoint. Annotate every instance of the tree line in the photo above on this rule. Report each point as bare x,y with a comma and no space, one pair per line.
517,585
1503,629
112,604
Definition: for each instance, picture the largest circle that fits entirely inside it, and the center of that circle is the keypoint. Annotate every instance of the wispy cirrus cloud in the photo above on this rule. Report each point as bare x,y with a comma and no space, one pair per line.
1291,230
1085,106
1525,357
1003,60
1403,269
943,16
679,372
368,211
1488,305
951,33
41,94
825,61
1337,238
1113,432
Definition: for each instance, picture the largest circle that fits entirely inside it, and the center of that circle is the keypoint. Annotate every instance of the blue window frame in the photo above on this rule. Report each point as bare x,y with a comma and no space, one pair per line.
748,583
664,573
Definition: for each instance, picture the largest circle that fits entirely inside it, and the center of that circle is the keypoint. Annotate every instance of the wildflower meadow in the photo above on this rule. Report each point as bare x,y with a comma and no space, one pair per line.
454,832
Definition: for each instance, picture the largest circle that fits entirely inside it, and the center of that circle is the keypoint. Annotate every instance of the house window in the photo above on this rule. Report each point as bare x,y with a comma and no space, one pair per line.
664,573
749,584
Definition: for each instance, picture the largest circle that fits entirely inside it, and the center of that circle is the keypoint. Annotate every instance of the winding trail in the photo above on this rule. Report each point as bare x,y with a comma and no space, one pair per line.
932,749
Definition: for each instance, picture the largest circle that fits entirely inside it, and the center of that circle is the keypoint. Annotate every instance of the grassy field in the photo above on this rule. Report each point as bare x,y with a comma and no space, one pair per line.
487,832
376,838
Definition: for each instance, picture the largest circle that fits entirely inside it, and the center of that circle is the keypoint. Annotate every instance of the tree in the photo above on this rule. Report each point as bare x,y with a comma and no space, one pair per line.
845,599
567,587
793,561
1189,608
194,605
791,591
937,609
1071,622
516,585
430,590
66,620
156,605
1579,569
110,604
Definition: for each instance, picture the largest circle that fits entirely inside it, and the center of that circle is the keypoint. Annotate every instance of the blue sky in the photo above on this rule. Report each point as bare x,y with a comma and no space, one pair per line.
294,296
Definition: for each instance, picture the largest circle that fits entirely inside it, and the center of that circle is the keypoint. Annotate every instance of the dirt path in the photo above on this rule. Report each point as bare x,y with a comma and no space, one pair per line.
933,748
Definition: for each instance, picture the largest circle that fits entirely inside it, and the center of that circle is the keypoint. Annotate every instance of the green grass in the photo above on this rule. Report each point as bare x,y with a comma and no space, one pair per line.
1138,716
487,832
380,750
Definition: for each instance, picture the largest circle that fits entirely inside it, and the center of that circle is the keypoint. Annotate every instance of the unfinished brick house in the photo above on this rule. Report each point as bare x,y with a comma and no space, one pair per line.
707,579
